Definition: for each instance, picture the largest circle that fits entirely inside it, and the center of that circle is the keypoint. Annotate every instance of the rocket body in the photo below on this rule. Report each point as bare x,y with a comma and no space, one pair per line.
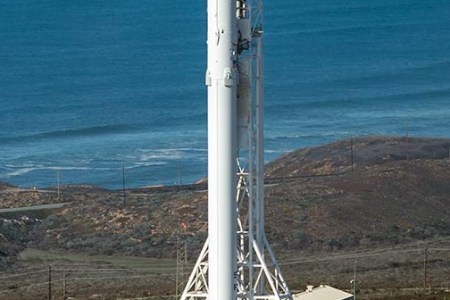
234,79
221,81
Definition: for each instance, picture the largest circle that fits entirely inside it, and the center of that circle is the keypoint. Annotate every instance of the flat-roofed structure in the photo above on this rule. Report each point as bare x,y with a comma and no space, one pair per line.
322,292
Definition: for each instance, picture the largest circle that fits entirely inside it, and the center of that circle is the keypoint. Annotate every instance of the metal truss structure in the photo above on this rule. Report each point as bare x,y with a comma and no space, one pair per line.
258,275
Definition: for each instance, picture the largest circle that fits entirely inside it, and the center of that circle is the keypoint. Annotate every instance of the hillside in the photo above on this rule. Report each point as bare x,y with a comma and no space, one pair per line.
395,196
397,192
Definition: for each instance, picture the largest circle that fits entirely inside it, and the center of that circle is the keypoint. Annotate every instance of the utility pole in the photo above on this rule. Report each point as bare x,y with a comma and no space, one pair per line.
407,139
351,150
354,280
181,262
180,174
64,286
178,266
49,282
389,151
57,184
425,262
123,184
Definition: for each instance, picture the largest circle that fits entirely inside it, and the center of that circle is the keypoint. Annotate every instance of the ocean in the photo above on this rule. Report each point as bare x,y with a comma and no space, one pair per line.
90,87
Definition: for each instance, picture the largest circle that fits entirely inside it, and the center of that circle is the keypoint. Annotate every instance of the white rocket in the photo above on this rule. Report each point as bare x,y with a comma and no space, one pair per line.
236,261
222,81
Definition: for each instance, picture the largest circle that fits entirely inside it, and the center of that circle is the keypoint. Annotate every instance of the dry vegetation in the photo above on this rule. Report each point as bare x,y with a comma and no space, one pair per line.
324,215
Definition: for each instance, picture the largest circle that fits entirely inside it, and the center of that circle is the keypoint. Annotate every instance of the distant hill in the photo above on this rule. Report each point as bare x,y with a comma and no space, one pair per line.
397,191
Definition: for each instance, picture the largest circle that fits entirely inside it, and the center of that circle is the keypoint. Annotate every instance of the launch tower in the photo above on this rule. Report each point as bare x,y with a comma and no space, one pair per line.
236,261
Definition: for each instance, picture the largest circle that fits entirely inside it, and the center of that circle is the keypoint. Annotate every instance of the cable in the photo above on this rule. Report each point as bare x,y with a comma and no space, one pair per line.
126,277
28,286
112,270
356,255
152,297
22,274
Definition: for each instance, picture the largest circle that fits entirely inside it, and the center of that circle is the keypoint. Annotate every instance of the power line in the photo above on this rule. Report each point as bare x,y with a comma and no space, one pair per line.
22,274
355,255
114,270
152,297
126,277
29,286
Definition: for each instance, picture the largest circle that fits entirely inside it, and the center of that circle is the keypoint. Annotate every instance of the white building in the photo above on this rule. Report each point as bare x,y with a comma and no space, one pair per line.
323,292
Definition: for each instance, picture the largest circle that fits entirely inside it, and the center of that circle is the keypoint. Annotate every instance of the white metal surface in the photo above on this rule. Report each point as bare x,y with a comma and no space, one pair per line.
323,292
247,270
222,86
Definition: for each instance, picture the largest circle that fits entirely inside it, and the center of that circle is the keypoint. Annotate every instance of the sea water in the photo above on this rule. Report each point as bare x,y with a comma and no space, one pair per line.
91,88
